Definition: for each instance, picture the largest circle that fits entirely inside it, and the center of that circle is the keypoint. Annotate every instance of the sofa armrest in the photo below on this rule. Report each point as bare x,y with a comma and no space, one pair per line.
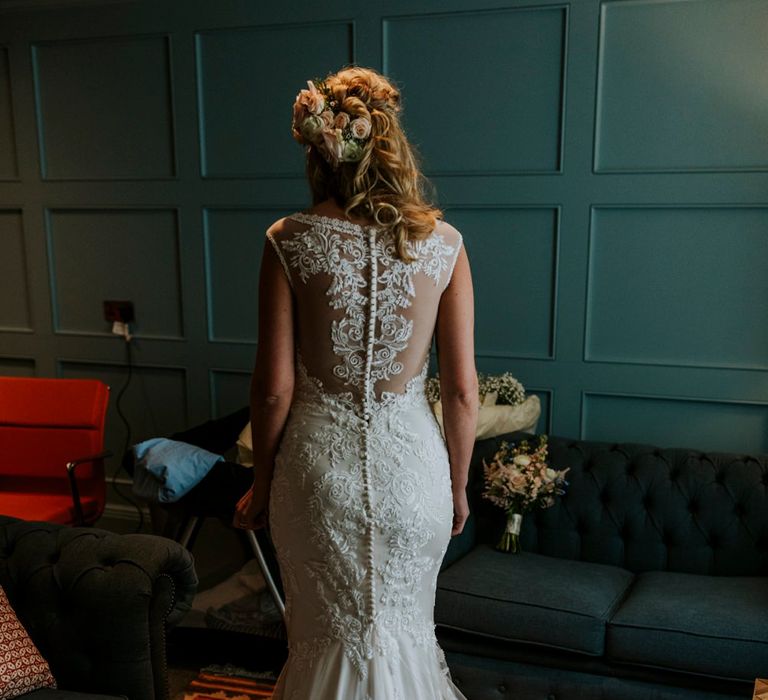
96,603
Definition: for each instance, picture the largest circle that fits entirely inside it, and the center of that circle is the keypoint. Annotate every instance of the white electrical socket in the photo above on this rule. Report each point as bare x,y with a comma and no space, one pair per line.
120,328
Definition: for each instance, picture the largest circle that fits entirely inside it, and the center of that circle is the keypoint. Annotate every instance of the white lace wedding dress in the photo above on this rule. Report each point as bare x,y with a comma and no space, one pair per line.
360,504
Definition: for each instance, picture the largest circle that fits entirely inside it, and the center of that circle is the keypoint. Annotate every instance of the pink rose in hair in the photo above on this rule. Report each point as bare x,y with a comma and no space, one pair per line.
300,112
341,121
312,99
332,139
327,117
360,127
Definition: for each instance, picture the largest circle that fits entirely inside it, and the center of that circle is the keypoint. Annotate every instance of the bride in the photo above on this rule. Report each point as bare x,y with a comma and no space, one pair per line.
351,473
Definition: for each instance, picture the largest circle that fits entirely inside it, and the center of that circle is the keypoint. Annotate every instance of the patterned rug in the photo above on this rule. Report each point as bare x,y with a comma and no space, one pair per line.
230,683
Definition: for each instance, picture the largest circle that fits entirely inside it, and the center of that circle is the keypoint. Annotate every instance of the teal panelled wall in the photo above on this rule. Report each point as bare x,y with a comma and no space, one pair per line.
607,163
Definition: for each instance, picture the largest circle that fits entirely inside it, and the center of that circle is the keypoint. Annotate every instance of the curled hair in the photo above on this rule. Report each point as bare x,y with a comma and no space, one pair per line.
386,184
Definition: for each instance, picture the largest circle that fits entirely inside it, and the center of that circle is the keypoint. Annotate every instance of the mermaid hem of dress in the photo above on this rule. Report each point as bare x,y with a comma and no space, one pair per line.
416,672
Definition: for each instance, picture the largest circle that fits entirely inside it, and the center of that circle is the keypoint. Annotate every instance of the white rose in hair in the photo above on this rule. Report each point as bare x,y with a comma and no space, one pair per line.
360,127
341,121
327,117
311,127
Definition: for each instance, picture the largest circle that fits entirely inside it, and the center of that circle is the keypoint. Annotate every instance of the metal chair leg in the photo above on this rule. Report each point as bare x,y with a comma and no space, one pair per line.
265,570
189,530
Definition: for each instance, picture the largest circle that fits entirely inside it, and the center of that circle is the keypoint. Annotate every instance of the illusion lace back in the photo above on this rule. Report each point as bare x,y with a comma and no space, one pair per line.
360,506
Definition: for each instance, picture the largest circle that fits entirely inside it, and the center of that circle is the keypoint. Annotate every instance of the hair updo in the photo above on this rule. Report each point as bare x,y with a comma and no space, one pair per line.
381,180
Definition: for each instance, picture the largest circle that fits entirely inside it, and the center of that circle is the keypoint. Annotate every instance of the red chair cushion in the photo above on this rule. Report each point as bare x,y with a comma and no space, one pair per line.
51,507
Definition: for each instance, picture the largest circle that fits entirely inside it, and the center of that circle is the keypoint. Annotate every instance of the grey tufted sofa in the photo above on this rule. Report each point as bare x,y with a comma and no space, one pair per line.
648,579
97,605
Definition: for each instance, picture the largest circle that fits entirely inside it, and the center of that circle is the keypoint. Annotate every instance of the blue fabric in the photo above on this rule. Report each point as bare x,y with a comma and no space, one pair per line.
713,625
529,597
167,469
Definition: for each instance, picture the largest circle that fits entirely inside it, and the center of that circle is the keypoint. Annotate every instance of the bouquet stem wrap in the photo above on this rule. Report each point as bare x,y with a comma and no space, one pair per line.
510,540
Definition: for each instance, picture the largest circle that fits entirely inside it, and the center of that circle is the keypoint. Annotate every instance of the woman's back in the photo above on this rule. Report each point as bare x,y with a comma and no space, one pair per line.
364,317
363,490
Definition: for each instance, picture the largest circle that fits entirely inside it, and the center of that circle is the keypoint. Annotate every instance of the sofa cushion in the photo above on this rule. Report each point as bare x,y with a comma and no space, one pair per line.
22,666
713,625
532,598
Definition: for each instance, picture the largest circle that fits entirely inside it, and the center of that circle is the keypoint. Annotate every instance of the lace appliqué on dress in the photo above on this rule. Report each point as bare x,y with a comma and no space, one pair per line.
324,248
364,479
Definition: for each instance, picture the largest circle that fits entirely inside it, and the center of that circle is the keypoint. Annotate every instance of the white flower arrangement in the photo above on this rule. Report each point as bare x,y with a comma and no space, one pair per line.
504,407
508,390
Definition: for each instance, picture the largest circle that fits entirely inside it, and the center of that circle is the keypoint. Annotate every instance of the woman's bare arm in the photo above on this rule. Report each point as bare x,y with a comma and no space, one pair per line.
458,377
271,387
273,373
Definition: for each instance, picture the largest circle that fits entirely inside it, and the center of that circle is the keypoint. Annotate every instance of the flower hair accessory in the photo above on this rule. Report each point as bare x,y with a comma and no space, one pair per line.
319,120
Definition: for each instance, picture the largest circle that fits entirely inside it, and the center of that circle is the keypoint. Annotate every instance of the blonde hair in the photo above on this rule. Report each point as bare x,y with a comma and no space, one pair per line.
386,184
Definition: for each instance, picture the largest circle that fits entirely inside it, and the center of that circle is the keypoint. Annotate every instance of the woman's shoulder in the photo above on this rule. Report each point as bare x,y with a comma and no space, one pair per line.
449,233
285,226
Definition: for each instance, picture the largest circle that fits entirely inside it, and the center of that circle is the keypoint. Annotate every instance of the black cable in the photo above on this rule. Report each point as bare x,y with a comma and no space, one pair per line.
129,362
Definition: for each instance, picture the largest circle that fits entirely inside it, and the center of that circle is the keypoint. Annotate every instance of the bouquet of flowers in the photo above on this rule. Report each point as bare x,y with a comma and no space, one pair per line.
518,479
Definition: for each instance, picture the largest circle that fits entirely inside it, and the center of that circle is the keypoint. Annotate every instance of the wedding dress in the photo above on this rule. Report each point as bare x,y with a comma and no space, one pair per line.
360,503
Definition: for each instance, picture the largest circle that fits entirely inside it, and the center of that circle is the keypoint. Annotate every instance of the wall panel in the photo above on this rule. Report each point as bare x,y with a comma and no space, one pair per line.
513,255
104,107
8,158
681,285
234,242
230,391
682,86
247,80
14,288
484,90
100,254
703,424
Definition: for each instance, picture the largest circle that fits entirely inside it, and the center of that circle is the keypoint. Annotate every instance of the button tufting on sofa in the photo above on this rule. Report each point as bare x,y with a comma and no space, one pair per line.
101,633
690,609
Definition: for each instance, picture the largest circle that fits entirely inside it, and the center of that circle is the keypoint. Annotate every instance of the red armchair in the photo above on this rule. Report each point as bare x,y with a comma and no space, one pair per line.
52,449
